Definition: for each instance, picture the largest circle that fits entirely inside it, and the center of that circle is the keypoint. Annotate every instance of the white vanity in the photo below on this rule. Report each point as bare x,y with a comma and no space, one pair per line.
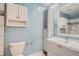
59,47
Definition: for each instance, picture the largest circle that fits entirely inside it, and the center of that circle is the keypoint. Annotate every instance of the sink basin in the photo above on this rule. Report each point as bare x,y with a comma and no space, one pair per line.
58,40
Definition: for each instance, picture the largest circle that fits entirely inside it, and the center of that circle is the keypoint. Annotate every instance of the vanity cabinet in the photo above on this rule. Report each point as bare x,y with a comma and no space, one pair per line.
16,15
1,35
54,49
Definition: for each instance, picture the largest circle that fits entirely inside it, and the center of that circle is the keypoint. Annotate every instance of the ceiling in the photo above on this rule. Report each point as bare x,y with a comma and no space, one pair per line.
71,9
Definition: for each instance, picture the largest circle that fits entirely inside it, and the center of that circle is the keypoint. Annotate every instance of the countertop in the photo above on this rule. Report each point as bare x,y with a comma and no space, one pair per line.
71,44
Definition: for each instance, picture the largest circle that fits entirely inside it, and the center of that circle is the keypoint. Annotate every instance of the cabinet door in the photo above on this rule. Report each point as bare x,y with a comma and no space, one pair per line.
22,13
12,11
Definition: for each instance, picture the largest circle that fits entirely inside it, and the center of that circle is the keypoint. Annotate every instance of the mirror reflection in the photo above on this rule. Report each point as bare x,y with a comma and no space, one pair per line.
69,19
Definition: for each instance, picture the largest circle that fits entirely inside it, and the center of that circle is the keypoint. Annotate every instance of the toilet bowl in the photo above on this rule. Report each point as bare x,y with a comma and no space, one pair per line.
17,48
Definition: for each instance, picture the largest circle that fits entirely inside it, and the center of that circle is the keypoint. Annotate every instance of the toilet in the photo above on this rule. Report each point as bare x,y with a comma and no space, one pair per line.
17,48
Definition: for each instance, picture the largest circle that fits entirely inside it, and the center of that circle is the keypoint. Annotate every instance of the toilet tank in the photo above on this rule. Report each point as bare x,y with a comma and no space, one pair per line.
17,48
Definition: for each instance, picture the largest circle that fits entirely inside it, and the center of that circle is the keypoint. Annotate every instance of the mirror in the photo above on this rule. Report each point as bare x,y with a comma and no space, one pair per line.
68,22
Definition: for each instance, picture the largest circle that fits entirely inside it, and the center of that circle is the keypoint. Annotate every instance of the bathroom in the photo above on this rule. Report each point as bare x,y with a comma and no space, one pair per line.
41,29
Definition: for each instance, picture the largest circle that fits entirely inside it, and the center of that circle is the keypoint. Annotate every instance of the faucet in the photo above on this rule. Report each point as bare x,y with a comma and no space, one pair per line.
66,39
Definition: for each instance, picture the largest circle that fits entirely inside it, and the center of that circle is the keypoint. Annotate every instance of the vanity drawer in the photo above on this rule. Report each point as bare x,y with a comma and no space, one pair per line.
1,50
1,40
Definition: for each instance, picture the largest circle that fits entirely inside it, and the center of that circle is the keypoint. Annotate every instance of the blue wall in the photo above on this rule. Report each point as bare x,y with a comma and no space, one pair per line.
31,34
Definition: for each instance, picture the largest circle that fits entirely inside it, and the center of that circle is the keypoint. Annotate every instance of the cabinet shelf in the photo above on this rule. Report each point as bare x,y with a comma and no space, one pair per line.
17,21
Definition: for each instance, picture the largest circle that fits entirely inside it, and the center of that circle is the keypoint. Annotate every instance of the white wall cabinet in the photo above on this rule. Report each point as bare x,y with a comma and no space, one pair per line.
16,15
1,35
